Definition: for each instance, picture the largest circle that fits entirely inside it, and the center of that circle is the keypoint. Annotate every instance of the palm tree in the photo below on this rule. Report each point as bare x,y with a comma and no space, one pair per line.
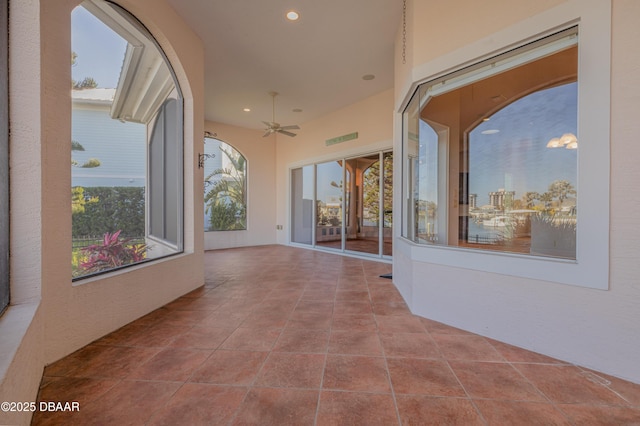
225,194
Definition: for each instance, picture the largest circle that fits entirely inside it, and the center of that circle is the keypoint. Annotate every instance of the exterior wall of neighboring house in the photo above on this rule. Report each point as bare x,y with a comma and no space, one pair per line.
50,316
593,327
94,129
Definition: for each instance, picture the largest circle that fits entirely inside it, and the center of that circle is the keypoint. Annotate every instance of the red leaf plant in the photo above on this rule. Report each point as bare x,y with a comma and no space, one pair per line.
113,252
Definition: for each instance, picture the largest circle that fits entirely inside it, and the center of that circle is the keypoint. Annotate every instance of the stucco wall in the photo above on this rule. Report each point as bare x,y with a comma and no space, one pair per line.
261,200
593,328
372,118
53,317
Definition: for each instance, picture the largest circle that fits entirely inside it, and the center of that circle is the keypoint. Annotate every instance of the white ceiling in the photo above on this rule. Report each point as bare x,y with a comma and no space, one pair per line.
316,64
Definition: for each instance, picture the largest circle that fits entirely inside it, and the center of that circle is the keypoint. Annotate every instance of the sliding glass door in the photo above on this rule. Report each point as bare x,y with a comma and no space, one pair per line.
353,204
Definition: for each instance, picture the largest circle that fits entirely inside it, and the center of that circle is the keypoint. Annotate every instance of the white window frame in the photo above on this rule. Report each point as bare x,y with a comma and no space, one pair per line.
591,267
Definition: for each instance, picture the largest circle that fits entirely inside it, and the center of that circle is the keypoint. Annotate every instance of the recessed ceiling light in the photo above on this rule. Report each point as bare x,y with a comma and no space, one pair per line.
247,109
292,15
368,77
490,132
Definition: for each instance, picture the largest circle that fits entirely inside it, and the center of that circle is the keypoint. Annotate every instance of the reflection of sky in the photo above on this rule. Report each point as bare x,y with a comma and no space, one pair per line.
516,157
100,50
327,173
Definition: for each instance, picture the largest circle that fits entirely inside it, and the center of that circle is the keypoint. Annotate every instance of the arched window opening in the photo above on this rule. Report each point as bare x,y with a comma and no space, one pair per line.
127,143
225,187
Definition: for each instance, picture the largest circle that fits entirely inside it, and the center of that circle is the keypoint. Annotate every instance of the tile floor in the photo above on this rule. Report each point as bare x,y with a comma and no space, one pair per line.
281,336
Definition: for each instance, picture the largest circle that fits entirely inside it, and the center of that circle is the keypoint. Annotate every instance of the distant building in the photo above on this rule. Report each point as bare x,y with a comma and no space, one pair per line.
497,199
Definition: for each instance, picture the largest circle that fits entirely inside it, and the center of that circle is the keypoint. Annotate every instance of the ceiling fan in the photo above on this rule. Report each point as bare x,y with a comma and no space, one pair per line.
273,126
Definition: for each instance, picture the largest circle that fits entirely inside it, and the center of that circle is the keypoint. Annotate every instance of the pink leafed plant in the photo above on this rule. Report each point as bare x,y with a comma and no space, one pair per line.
113,252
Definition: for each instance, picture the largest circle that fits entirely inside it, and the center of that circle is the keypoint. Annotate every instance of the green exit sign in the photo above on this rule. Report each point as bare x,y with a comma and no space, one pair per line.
343,138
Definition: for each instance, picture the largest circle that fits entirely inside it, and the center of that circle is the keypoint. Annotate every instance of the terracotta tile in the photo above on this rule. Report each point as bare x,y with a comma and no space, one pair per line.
391,308
223,319
159,335
184,318
494,381
384,294
437,411
112,362
415,345
514,354
353,295
266,320
290,370
127,403
466,347
601,414
200,404
124,335
171,365
521,413
66,365
440,328
314,306
191,303
354,408
344,307
568,384
230,368
354,322
356,373
355,343
310,320
321,295
251,339
202,338
399,324
278,407
423,376
302,340
82,390
629,391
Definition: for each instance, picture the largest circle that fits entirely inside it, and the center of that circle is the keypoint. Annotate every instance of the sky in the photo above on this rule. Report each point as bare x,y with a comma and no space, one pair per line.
100,50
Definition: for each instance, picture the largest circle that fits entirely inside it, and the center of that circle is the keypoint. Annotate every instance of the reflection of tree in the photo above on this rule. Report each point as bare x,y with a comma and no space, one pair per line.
371,190
561,189
225,200
529,199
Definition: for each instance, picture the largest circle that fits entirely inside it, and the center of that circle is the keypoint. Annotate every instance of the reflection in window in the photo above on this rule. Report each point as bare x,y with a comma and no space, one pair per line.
126,143
225,187
507,141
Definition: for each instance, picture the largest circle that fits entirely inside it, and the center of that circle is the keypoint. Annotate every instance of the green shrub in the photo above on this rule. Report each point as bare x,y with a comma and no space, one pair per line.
117,209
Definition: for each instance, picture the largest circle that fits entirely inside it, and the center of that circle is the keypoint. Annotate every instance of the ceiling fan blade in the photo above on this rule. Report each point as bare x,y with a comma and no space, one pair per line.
284,132
292,127
268,132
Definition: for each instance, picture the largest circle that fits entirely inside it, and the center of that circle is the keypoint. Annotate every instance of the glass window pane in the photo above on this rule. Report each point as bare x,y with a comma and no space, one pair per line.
302,205
329,186
387,200
225,187
491,162
126,143
363,209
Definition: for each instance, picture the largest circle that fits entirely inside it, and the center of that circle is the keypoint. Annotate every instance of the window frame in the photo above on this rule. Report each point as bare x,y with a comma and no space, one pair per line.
206,157
164,242
591,267
5,290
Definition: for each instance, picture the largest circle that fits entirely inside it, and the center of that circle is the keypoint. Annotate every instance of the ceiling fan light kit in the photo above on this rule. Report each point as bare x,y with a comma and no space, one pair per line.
273,126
